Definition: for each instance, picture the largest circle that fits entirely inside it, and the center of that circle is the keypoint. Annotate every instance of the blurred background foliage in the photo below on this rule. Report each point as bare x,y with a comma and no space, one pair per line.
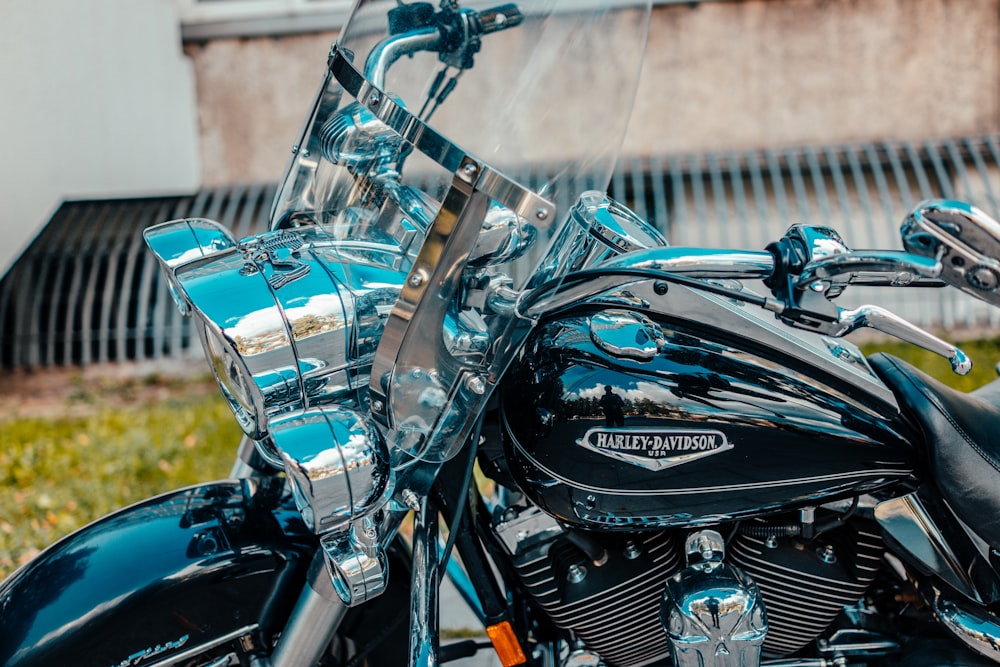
104,446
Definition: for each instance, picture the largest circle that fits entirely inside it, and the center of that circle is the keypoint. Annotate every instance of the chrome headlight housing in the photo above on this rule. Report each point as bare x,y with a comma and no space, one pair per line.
289,320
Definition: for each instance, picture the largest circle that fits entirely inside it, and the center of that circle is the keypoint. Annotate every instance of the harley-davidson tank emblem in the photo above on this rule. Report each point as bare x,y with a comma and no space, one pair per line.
655,449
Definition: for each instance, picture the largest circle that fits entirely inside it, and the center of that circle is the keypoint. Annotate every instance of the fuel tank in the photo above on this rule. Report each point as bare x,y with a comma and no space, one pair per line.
190,574
706,410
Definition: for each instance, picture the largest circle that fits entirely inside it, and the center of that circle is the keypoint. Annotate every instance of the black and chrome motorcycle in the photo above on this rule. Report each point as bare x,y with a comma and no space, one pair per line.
681,460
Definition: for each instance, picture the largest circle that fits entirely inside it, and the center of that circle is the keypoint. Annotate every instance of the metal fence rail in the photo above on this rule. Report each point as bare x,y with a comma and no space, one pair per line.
86,290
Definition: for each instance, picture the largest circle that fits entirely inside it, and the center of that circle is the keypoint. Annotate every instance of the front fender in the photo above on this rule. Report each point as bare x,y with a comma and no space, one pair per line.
186,573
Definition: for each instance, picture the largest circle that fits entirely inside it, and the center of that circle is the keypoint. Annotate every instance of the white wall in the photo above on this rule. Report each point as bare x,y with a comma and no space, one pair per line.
96,100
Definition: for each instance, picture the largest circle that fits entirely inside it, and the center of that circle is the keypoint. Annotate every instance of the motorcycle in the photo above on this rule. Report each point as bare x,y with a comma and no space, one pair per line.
680,459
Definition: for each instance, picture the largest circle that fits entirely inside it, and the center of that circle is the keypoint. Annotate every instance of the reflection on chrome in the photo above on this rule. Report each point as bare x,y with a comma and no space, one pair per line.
713,612
336,463
289,320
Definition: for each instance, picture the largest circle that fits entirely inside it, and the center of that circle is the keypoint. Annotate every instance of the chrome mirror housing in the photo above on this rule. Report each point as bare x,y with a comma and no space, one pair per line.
964,239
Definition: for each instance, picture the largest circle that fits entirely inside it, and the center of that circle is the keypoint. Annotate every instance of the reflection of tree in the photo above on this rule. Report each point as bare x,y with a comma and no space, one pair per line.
302,327
260,343
313,325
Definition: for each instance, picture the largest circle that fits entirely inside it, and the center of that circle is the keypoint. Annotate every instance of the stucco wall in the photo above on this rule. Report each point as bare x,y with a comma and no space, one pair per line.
783,72
741,74
253,96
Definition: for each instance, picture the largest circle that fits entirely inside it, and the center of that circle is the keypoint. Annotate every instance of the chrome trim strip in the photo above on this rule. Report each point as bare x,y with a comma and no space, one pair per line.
888,474
194,651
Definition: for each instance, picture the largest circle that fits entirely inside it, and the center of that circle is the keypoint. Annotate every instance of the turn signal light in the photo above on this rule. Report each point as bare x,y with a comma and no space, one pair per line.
506,645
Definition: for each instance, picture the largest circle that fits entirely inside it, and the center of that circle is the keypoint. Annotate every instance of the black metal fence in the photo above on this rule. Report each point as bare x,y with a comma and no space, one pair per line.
86,291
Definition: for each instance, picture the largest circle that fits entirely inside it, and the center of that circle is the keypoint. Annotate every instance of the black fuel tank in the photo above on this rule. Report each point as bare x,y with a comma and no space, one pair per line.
625,419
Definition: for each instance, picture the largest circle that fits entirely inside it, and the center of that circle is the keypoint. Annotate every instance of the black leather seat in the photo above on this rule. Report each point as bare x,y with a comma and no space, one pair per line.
962,432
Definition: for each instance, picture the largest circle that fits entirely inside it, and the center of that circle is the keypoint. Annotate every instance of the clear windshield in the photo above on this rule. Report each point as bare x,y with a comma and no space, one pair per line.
458,138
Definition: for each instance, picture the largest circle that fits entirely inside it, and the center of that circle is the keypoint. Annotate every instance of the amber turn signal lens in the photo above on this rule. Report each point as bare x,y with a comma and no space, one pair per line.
506,645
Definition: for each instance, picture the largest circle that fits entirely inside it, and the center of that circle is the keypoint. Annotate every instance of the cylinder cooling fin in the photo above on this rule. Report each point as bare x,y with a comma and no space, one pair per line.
805,585
612,608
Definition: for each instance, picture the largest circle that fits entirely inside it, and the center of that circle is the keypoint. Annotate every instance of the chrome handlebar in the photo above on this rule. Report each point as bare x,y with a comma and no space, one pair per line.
808,268
453,33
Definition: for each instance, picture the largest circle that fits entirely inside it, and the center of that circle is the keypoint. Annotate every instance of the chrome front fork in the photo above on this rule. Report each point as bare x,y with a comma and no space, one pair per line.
320,609
313,622
425,609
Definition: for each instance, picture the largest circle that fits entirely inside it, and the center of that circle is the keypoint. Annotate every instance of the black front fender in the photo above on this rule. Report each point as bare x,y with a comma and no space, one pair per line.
185,573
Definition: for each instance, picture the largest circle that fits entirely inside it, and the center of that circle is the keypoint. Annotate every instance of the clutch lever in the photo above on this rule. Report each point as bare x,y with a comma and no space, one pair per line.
812,266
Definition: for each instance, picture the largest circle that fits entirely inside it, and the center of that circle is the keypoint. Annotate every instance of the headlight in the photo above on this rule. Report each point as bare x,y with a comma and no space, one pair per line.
234,380
288,320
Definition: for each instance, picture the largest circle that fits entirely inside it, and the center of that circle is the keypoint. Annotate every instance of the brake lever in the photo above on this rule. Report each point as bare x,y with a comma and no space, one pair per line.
813,265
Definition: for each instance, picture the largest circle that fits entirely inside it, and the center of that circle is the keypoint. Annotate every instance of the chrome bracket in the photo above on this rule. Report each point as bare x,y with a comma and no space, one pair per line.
356,561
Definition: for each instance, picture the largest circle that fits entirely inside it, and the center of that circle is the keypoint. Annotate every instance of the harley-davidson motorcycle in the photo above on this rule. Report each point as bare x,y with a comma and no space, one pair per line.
680,460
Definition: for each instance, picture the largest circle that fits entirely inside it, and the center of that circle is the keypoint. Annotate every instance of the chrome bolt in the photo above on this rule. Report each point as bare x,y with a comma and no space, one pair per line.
632,551
827,555
416,280
576,573
374,99
542,214
476,384
410,499
469,170
982,278
771,542
377,406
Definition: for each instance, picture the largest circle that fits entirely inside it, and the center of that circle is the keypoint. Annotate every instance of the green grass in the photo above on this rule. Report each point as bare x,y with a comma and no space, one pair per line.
60,472
984,354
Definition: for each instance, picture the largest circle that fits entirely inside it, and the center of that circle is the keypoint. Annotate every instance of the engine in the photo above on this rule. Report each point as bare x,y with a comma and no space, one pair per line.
604,590
806,585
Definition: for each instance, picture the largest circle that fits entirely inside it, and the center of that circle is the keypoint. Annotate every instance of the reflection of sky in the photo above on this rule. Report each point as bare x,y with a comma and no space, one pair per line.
642,389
